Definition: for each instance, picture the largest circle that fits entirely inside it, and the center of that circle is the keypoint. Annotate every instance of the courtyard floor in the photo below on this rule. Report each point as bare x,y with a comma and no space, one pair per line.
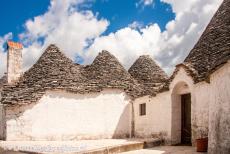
166,150
62,146
6,147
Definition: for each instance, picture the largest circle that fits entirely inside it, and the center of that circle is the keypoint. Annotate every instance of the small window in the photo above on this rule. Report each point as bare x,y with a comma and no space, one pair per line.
142,109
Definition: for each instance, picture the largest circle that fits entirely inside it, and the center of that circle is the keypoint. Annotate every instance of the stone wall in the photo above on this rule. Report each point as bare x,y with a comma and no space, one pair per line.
219,116
66,116
2,122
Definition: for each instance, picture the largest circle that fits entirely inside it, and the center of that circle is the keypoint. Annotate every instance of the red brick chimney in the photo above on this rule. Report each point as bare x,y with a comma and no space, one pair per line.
14,61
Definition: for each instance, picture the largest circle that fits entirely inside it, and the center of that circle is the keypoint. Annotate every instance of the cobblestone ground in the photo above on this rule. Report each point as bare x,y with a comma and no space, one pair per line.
167,150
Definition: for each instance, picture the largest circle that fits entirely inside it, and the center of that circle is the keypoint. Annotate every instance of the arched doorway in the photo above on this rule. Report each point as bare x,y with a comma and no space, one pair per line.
181,114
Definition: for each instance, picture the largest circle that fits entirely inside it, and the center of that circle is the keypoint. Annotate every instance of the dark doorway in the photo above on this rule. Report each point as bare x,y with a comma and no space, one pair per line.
186,119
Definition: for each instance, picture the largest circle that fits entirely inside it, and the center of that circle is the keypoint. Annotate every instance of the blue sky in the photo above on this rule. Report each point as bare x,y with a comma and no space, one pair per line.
120,13
164,29
14,13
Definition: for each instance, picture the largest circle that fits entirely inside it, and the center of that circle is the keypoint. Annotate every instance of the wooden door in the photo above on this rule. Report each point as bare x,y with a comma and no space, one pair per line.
186,119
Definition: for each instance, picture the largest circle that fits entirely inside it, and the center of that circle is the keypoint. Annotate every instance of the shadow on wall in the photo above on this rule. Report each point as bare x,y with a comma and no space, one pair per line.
119,132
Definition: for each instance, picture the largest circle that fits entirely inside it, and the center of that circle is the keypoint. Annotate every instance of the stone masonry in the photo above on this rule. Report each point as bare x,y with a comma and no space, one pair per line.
14,61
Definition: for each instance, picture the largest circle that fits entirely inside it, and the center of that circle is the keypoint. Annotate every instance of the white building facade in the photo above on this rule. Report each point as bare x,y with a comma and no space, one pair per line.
59,100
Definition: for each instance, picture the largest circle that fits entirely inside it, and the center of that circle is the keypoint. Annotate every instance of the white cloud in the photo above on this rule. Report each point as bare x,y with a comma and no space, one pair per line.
147,2
144,3
63,25
191,19
3,53
126,44
169,47
136,25
74,31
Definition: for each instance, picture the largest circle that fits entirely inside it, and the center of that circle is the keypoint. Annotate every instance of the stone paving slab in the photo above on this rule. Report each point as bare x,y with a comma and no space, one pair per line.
166,150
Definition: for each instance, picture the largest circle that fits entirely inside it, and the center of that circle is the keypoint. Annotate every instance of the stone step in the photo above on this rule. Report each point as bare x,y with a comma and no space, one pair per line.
125,147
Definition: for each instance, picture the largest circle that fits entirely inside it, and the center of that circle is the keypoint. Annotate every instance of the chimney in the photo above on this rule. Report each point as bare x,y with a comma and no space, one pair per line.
14,61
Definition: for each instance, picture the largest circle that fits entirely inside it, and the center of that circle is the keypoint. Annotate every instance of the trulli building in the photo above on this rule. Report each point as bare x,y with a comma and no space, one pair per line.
57,99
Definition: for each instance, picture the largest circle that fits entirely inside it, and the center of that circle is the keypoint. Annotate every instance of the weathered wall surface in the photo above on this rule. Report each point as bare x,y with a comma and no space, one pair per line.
2,122
14,64
201,110
219,121
156,122
200,98
65,116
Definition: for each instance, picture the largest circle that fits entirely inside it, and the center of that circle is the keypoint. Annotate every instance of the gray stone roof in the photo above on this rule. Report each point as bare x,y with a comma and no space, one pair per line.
107,72
54,71
213,47
149,74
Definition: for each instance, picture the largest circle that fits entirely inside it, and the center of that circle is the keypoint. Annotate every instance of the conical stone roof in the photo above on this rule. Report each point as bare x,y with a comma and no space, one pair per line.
54,71
106,68
149,74
213,47
107,72
53,65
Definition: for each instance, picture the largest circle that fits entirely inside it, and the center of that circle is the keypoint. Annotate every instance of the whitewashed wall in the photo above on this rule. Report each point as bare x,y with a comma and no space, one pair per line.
181,84
200,99
66,116
164,111
201,110
219,121
156,122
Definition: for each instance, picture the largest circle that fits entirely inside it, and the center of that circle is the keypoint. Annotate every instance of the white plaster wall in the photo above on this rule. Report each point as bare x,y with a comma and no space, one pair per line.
201,109
156,122
181,84
182,76
219,121
65,116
